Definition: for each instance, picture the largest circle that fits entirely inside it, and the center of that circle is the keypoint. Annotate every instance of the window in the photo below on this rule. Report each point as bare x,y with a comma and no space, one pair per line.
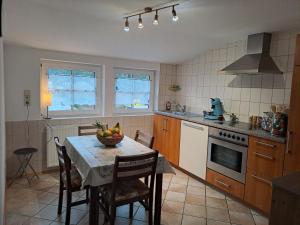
74,88
133,90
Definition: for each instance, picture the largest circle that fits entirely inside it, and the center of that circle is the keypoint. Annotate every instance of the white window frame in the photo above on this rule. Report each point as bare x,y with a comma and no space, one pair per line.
152,87
47,64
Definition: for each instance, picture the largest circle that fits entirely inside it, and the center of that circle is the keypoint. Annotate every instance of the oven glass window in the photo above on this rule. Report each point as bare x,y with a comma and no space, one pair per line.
227,157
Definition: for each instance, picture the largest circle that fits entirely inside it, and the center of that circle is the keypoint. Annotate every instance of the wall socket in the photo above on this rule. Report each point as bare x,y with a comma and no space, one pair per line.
27,97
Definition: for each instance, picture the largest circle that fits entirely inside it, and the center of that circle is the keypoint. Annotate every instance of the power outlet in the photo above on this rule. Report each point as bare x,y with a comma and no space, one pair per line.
27,97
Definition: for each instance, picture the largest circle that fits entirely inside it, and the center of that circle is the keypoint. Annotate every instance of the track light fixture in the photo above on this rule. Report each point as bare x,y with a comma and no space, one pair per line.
149,10
140,26
175,17
126,27
155,21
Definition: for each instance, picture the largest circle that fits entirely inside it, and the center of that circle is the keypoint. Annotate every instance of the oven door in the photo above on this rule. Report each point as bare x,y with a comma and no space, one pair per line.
227,158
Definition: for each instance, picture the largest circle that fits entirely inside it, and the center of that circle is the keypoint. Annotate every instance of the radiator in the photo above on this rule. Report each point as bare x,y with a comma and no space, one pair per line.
61,132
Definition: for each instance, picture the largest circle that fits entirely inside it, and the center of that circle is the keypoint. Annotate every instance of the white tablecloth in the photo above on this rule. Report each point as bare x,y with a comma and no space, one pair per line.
95,161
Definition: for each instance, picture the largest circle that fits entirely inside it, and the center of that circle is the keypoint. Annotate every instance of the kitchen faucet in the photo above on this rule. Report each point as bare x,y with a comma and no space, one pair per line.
181,108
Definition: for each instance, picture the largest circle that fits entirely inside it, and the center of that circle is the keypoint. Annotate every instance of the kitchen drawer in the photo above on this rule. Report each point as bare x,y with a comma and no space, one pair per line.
225,183
265,157
258,191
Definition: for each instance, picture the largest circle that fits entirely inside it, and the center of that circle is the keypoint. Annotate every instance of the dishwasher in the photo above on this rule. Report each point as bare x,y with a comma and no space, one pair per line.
193,148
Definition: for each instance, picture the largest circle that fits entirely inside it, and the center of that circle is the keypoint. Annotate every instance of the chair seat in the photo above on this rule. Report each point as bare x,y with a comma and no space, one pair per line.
125,191
76,180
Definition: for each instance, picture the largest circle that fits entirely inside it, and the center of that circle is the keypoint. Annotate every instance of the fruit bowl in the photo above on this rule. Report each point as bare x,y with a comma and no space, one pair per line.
109,136
110,141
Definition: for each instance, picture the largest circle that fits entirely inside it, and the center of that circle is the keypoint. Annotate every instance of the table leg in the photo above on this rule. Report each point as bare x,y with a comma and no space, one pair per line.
94,207
158,193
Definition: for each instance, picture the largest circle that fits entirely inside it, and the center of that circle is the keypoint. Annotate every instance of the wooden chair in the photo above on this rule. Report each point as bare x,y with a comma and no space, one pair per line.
144,139
87,130
70,180
127,188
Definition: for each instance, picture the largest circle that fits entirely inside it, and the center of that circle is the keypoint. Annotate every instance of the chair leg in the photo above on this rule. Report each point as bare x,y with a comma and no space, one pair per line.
87,195
60,199
112,215
130,210
68,212
150,211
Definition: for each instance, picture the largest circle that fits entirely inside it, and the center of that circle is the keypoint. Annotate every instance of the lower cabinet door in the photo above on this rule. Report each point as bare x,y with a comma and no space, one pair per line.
258,191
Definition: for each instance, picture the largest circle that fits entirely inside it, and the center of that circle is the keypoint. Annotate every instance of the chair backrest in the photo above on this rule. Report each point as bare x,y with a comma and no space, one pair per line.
144,139
64,161
134,167
87,130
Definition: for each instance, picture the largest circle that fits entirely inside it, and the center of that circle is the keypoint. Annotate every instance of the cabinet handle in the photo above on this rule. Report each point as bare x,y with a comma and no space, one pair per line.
289,139
262,179
264,156
223,184
265,144
166,125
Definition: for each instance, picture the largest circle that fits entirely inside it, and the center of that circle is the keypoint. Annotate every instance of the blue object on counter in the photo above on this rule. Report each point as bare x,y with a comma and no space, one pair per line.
217,109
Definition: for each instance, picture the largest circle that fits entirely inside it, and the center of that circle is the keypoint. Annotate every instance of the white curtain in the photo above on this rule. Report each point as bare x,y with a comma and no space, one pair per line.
2,136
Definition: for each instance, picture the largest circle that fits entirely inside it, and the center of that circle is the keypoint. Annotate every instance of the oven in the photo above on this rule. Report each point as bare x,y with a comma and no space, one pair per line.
227,153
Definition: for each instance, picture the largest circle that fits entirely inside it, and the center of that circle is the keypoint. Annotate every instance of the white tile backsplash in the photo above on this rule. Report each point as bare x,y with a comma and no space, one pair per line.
200,79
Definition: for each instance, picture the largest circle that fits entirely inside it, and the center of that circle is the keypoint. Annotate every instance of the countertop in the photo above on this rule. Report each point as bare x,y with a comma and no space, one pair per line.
240,127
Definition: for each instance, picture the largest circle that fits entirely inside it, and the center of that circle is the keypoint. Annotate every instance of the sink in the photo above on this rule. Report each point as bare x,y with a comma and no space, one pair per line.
179,113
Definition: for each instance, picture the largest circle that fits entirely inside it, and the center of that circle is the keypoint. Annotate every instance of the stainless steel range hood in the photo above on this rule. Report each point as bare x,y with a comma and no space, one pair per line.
257,60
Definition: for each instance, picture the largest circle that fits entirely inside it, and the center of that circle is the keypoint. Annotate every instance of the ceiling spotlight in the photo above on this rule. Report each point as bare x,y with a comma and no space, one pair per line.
155,21
126,27
140,26
175,17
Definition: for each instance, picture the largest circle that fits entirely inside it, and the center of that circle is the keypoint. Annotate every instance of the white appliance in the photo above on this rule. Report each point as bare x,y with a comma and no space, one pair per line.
193,148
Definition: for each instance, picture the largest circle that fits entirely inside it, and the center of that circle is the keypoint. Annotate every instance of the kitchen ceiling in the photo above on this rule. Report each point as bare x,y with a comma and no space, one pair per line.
96,26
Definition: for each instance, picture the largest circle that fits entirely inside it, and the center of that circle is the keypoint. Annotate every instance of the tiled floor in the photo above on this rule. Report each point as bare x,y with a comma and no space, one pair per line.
185,202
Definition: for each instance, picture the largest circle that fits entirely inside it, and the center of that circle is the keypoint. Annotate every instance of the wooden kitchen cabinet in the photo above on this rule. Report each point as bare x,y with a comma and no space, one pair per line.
166,132
265,162
292,156
225,183
258,191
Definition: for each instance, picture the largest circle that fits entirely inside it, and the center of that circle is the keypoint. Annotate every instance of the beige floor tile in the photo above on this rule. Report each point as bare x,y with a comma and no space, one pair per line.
76,216
121,221
175,196
237,207
173,207
177,188
179,173
171,218
193,182
141,214
216,203
195,199
47,197
260,220
214,222
15,219
30,209
214,193
191,220
194,210
241,218
85,220
217,214
195,190
179,180
48,213
36,221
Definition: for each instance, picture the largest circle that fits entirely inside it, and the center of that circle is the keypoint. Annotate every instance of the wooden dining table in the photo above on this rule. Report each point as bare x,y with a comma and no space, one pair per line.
95,163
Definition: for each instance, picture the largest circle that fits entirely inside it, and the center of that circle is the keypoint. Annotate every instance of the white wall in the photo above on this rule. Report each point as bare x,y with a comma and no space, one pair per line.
22,72
2,137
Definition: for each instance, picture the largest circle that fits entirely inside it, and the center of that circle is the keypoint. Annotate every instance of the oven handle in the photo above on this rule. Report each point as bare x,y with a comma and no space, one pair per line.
263,156
262,179
223,184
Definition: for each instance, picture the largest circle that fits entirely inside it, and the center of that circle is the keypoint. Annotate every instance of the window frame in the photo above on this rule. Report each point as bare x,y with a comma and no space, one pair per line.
152,89
97,69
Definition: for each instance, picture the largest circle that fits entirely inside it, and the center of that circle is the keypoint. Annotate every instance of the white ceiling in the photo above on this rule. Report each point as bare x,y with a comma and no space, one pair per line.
96,26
